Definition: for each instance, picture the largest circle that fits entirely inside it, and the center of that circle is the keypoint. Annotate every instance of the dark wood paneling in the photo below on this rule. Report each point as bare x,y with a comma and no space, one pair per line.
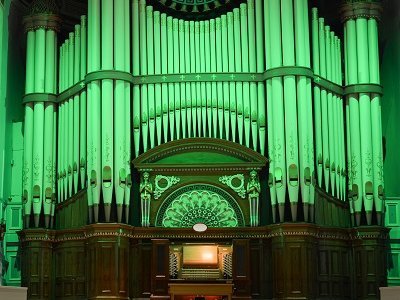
241,268
70,277
160,268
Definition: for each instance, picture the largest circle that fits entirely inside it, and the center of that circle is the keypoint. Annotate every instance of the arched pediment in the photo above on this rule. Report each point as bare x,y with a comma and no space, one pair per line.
200,153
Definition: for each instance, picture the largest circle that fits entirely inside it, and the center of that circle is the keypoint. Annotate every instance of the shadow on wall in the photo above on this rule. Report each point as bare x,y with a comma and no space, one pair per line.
390,79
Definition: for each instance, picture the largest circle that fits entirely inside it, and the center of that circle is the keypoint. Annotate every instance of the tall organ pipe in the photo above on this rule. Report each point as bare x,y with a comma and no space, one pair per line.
279,171
182,70
82,133
317,96
203,96
354,118
127,110
376,118
219,58
233,98
157,70
289,82
238,35
70,120
270,103
324,106
38,125
244,35
28,130
107,102
188,84
76,108
193,70
213,69
177,91
225,68
171,90
253,68
143,71
119,108
136,72
49,87
164,70
208,83
95,177
150,71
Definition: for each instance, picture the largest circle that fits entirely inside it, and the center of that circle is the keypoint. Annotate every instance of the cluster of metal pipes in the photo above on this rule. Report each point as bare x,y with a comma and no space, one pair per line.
363,116
40,127
229,110
109,104
71,158
95,124
328,110
289,107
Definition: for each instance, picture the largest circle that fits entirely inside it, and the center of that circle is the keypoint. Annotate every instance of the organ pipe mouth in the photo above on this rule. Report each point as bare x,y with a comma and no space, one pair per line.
307,176
369,193
293,175
25,197
122,177
49,195
75,168
93,178
380,192
355,192
278,177
36,194
107,176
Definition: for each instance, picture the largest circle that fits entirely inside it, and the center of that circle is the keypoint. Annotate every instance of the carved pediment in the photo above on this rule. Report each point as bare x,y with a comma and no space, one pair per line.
200,154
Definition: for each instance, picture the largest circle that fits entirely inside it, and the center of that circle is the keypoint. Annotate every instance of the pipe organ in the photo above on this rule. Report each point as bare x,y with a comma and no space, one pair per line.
237,141
263,74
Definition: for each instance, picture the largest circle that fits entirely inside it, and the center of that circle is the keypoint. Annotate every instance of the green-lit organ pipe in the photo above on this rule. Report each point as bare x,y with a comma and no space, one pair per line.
143,72
38,125
238,68
136,107
96,172
127,110
306,140
260,12
76,108
233,96
197,41
157,70
324,105
188,84
150,71
278,125
50,63
203,97
193,84
107,103
225,68
208,96
220,93
182,70
71,125
171,90
317,96
261,100
28,131
354,118
119,108
82,125
213,69
164,70
177,86
245,68
89,115
289,84
376,119
252,68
